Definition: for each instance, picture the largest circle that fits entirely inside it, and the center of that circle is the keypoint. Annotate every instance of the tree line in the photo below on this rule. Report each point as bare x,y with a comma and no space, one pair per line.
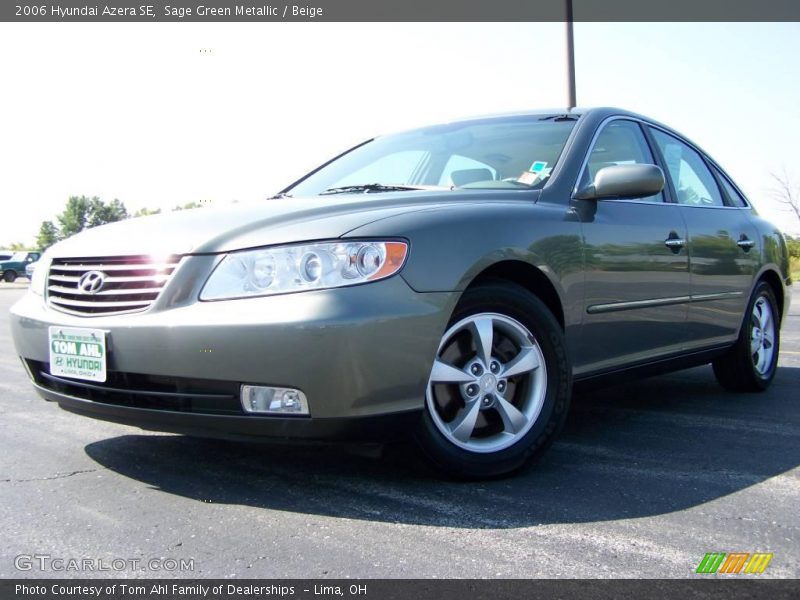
82,212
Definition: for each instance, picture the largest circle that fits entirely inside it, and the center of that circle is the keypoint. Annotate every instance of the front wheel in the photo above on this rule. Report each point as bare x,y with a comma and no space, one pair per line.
500,385
750,365
10,276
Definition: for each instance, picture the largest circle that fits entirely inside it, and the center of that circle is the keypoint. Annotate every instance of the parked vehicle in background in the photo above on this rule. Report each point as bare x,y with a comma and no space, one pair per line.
29,269
6,254
14,267
450,283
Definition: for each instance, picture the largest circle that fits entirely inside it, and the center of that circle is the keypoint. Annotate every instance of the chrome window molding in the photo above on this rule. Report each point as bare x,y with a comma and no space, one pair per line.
677,136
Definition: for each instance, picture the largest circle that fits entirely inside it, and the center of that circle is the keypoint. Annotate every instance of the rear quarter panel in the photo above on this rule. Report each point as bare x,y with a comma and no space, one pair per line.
774,256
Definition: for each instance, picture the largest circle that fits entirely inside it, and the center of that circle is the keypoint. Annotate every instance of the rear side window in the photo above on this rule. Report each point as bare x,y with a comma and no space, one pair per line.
734,197
691,178
620,142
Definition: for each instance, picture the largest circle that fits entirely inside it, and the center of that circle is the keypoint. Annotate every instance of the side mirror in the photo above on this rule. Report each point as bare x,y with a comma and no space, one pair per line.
624,182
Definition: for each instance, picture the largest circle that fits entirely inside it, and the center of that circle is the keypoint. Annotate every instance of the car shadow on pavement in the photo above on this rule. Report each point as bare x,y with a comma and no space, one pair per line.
650,447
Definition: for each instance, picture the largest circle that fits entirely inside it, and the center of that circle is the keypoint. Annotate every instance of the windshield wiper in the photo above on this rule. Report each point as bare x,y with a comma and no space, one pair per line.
366,188
563,117
279,196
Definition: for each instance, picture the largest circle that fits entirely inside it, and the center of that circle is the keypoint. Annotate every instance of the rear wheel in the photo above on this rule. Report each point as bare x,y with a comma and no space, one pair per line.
750,365
10,276
499,388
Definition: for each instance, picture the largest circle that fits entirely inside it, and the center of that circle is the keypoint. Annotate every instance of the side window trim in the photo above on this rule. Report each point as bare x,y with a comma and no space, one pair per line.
726,199
670,194
665,198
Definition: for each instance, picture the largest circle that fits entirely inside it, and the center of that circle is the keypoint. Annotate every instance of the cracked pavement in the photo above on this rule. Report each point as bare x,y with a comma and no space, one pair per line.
645,479
50,478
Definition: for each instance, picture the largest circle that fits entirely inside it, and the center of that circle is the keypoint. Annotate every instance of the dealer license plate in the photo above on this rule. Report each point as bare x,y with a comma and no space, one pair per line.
78,353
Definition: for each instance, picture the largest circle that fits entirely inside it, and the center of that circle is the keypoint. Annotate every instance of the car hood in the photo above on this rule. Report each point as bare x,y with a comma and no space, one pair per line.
245,225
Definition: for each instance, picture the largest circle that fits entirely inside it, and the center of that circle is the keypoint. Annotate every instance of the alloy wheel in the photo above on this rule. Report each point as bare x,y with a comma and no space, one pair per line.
488,383
762,335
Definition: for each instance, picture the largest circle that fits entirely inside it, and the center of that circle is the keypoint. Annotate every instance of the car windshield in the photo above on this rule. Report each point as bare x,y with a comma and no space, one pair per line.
19,256
494,153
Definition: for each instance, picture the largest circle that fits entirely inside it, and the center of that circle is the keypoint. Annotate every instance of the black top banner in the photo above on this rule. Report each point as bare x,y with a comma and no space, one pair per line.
400,10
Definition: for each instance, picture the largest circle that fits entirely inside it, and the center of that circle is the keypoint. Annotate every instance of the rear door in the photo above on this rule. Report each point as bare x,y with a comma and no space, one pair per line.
723,242
637,268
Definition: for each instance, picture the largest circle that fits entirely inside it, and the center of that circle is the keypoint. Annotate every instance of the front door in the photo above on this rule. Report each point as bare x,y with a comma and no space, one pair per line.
637,266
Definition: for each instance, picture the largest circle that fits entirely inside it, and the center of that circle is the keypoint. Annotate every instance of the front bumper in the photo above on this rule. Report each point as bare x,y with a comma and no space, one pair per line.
378,428
357,353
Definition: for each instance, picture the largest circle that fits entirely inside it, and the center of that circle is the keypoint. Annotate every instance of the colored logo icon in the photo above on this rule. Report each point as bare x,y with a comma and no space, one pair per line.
734,563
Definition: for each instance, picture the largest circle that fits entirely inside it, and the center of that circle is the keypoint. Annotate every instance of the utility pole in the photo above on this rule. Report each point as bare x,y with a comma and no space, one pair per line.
571,102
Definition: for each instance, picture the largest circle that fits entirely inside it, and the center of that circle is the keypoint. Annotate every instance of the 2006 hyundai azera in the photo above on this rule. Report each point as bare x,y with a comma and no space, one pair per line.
451,282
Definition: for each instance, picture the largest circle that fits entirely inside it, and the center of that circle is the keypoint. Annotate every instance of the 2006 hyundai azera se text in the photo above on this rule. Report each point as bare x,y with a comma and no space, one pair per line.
451,282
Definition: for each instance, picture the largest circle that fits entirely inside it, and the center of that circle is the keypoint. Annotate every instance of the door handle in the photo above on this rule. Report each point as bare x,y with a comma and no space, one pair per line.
674,243
745,243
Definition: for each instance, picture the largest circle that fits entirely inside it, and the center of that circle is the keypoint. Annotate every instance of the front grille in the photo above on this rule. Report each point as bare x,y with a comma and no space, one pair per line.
153,392
129,283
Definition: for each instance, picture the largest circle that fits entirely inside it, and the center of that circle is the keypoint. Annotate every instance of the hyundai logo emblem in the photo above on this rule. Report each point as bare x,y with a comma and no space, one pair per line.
91,282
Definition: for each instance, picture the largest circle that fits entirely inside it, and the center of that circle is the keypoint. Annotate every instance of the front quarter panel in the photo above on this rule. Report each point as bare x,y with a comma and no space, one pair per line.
451,245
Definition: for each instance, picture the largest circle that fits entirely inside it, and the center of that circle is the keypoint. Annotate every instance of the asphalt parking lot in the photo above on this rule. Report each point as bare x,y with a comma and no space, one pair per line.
645,479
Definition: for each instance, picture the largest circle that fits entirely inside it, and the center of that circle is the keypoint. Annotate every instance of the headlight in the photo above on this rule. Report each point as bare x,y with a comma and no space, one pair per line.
301,267
39,278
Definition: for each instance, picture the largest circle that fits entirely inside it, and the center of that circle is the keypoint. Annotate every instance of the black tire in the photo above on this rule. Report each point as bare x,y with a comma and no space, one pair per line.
551,390
738,369
10,276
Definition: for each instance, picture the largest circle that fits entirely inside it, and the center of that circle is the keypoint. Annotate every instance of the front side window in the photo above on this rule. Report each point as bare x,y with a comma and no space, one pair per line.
621,142
691,179
493,153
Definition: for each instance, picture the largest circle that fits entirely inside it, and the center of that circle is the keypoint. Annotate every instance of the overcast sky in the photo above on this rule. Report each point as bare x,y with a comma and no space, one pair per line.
167,113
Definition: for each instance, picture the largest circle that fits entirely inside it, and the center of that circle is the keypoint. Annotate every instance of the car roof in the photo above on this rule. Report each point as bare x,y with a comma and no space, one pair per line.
596,113
556,111
599,113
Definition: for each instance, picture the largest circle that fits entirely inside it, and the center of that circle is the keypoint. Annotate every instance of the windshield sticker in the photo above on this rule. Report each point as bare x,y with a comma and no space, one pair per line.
538,167
528,178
